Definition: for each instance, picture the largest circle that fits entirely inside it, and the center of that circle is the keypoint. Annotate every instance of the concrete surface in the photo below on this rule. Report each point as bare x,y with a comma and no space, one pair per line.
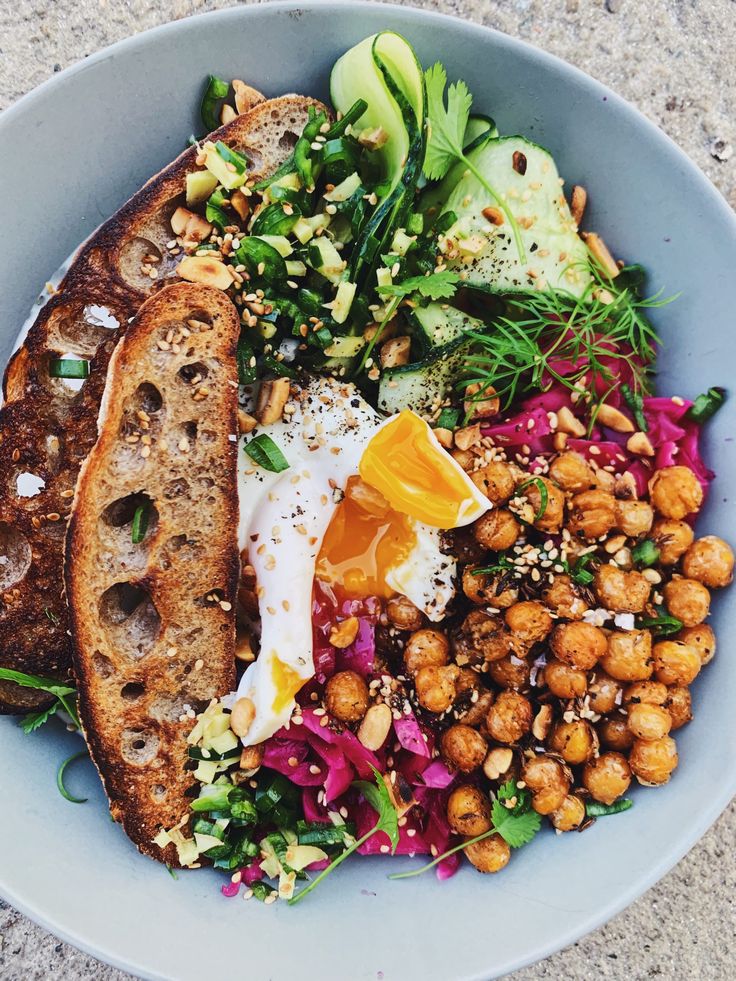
675,60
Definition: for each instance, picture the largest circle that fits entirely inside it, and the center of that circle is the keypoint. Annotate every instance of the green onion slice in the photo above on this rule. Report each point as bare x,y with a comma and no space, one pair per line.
645,553
706,405
139,526
68,368
217,88
448,419
265,453
663,625
60,778
543,494
635,403
580,572
594,808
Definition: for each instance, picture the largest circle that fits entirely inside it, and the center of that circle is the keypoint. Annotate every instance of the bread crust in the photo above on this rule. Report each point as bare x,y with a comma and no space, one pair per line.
153,621
47,431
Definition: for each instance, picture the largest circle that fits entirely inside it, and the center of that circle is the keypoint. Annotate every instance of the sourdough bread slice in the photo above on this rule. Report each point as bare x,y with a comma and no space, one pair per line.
47,428
151,566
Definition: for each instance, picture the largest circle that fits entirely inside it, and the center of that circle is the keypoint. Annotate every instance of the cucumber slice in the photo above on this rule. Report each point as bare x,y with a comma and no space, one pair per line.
556,257
438,324
478,131
357,75
422,385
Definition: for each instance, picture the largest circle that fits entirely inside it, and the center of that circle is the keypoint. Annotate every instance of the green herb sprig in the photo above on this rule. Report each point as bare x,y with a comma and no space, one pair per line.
64,694
446,129
60,775
512,817
436,286
378,797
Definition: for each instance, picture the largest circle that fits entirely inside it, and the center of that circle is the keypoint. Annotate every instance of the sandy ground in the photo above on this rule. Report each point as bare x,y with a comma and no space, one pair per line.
674,59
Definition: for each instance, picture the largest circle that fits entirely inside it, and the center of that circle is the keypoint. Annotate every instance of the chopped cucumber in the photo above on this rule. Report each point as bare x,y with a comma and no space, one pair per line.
200,185
279,242
383,276
324,257
218,167
344,190
296,268
421,385
345,347
343,301
526,175
402,242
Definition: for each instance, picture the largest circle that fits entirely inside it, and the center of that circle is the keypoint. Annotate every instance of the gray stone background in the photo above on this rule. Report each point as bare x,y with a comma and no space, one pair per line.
676,61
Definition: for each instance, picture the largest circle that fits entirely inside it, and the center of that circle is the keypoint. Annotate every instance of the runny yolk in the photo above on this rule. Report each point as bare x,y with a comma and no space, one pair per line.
364,540
286,681
417,477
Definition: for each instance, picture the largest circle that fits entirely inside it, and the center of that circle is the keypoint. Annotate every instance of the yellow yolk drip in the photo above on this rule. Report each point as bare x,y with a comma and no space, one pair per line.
287,683
416,476
365,539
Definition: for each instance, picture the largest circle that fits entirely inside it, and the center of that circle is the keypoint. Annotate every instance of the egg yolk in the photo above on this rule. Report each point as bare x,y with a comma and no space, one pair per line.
286,681
365,539
405,462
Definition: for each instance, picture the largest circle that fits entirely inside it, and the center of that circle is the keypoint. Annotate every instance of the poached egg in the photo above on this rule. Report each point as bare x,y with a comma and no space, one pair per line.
360,507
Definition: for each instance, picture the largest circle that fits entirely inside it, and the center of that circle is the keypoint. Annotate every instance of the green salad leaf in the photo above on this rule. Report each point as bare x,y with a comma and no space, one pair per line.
65,695
437,286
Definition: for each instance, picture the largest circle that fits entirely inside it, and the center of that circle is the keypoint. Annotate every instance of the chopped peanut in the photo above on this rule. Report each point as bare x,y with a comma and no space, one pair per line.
599,250
578,202
272,397
395,352
343,634
245,96
202,269
481,408
568,423
640,444
611,417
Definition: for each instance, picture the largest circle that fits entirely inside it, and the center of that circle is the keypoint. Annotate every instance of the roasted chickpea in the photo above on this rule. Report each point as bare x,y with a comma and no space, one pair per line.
509,718
529,621
554,512
425,648
435,687
484,589
680,707
648,721
653,761
576,741
468,811
675,663
645,692
634,518
497,530
510,672
495,480
562,597
672,538
489,855
548,782
578,644
463,749
475,714
592,514
702,638
467,681
570,815
615,734
624,592
482,638
463,458
607,778
402,613
710,561
346,696
688,600
604,692
629,655
675,492
572,472
565,681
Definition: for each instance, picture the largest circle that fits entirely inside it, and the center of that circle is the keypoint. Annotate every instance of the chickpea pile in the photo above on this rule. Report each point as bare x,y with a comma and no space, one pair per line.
567,662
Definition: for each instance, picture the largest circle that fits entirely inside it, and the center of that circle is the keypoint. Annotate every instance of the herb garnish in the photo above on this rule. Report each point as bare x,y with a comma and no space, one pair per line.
543,494
437,286
513,818
446,128
706,405
380,800
216,89
663,625
594,808
64,694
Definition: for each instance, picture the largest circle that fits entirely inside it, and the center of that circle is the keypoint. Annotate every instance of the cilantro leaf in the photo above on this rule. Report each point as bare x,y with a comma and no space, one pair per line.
34,720
446,125
515,829
437,286
446,128
380,800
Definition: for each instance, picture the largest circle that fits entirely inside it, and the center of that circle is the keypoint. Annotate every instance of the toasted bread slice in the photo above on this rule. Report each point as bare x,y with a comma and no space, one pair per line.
152,599
47,429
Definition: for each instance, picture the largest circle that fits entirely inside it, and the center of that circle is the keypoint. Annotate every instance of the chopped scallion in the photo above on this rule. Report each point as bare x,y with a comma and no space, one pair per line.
139,526
645,553
68,368
217,88
594,808
543,494
60,778
265,453
706,405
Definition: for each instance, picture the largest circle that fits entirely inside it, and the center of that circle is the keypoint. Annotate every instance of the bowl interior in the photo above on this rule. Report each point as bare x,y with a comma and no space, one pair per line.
78,147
